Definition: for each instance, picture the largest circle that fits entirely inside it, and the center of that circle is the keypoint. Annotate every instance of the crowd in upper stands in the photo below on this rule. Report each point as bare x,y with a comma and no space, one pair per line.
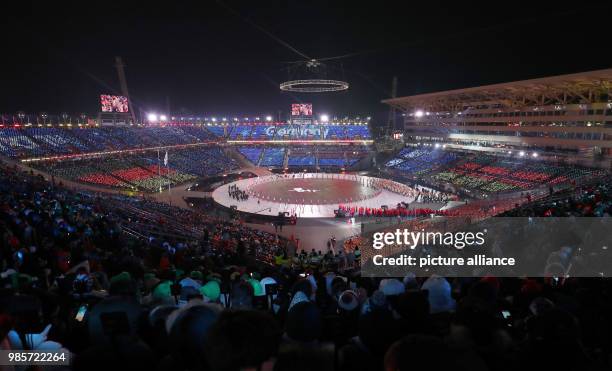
53,141
484,173
145,171
190,158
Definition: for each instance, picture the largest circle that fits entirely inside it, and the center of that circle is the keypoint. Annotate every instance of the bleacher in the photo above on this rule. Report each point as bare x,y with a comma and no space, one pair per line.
56,140
357,131
53,141
259,132
416,162
302,156
335,132
15,143
218,131
251,153
240,132
200,133
144,171
273,156
483,172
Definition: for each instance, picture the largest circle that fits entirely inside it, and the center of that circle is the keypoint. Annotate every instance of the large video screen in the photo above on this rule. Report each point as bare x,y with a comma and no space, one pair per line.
301,109
114,103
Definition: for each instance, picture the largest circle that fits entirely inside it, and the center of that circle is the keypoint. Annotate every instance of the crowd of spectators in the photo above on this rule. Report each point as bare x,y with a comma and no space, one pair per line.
273,156
592,200
142,171
34,141
486,174
79,275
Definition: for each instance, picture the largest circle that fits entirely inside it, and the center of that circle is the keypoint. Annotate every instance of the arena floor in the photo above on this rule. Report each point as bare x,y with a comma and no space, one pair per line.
308,198
313,191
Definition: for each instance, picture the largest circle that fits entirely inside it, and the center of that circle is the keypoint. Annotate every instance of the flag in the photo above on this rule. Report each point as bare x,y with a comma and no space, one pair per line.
166,159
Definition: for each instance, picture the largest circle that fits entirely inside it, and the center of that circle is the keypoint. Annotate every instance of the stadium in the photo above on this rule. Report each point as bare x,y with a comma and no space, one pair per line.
464,227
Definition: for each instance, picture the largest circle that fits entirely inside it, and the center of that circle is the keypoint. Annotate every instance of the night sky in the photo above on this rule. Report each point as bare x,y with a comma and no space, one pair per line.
208,60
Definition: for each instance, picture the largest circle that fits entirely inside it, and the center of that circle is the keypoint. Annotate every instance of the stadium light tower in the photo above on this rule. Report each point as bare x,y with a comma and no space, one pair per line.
152,117
268,118
163,118
324,118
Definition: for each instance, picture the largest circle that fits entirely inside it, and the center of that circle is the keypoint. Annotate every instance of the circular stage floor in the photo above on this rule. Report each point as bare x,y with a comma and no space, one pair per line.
308,195
312,191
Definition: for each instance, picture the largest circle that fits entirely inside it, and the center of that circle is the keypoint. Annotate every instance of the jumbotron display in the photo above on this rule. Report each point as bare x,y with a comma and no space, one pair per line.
301,109
114,103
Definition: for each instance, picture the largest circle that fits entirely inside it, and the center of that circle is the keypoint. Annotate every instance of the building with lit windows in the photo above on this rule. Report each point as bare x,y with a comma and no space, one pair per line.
567,115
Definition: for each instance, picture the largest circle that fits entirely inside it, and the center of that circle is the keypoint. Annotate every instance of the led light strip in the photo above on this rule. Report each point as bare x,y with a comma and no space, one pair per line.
299,141
94,154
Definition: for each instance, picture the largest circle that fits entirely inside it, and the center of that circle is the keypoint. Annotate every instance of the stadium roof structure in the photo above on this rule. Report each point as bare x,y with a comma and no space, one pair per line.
578,88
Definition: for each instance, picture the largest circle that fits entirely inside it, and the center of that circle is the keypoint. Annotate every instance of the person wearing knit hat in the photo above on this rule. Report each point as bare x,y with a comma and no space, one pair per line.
188,293
348,301
257,287
410,282
267,281
376,302
121,277
439,294
162,291
378,299
196,275
304,323
234,276
391,287
190,282
150,282
122,284
211,291
298,297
